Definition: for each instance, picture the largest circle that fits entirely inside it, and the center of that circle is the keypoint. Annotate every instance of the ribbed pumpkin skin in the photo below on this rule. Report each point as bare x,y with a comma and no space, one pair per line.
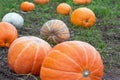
43,2
83,17
26,54
27,6
8,33
64,9
72,60
55,30
82,1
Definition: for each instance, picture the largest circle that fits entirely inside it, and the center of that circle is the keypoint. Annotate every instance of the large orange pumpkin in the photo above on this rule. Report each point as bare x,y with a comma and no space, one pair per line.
64,9
55,30
84,17
72,60
8,33
82,1
42,1
26,54
27,6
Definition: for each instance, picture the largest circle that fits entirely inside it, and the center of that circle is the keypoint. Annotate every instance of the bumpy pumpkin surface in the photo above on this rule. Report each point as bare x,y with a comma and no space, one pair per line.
83,17
72,60
14,18
42,1
27,6
55,30
8,33
82,1
26,54
64,9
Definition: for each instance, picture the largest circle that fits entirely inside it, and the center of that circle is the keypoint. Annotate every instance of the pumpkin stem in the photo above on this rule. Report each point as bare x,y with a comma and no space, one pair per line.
87,21
6,43
86,73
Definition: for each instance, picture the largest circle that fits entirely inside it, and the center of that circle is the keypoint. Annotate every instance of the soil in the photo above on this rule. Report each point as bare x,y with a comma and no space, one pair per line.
111,59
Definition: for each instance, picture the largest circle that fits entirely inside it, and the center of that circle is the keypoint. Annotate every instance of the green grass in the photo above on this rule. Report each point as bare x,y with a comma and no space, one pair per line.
106,12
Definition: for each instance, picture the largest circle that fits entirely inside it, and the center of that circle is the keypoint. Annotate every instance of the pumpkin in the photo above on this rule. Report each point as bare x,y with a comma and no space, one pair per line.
64,9
26,54
55,31
72,60
43,2
82,1
84,17
14,18
27,6
8,33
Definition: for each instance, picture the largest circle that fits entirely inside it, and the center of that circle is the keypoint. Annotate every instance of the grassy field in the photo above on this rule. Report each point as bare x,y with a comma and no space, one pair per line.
104,35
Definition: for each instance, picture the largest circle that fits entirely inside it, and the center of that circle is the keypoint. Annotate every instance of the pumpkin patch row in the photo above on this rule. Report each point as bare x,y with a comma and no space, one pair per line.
29,6
83,16
67,60
73,59
30,54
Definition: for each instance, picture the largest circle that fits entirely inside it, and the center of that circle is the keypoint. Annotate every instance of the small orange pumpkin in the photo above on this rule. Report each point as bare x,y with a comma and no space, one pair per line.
82,1
55,30
27,6
64,9
8,33
42,1
72,60
26,54
83,17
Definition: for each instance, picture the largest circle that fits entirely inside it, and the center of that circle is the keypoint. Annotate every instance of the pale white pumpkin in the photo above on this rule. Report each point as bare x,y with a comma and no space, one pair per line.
14,18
